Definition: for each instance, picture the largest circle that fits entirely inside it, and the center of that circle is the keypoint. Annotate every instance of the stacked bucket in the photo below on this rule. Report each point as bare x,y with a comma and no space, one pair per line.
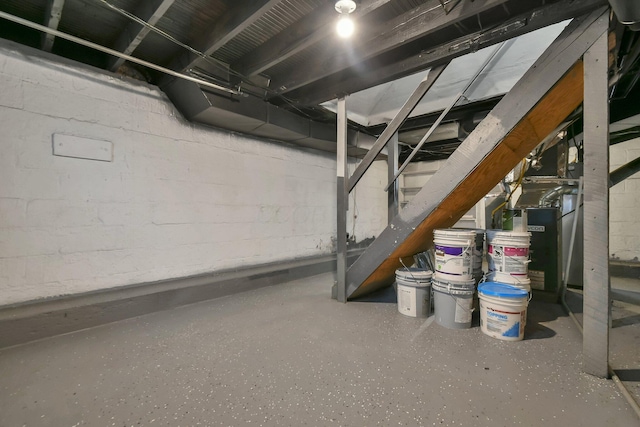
505,297
458,265
508,257
503,300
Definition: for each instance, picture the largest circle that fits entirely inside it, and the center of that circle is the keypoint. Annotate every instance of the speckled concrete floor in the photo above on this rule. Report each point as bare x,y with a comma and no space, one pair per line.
288,355
624,337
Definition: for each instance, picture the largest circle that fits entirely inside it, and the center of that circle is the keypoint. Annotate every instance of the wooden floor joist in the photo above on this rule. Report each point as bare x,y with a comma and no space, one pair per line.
544,97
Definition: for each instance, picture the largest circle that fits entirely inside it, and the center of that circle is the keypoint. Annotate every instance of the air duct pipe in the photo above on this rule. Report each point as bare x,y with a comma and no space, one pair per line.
554,194
628,12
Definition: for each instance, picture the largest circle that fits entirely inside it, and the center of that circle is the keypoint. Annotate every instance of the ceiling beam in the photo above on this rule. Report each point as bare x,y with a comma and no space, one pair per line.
52,20
351,82
149,11
417,23
237,20
306,32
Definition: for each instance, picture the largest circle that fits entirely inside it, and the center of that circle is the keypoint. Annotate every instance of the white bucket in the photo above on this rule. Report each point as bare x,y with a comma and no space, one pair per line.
453,302
517,280
478,249
414,292
454,250
503,311
508,251
490,236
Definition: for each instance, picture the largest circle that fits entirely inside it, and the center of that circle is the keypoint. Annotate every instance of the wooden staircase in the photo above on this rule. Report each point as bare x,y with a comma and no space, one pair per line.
550,91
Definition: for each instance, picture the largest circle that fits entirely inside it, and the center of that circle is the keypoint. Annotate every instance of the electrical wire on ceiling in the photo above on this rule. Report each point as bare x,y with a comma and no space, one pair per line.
74,39
244,79
161,33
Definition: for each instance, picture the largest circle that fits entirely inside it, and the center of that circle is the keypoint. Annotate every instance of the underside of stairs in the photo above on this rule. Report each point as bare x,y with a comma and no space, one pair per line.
549,92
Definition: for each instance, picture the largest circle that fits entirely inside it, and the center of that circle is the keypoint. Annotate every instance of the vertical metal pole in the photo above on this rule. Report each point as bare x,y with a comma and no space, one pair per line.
574,229
597,286
343,199
392,168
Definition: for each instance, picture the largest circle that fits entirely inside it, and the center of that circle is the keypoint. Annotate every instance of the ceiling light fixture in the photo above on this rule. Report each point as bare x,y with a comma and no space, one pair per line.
345,26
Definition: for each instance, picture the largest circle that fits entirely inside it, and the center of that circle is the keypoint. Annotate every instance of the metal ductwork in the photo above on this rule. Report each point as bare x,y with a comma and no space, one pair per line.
554,194
627,12
252,116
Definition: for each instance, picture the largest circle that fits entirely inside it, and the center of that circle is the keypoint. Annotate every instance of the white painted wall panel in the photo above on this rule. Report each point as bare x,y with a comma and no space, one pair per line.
624,205
82,148
177,199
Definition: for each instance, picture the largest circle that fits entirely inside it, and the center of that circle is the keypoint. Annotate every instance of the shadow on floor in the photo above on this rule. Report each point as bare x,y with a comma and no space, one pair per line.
573,297
630,297
535,331
384,295
628,374
625,321
539,313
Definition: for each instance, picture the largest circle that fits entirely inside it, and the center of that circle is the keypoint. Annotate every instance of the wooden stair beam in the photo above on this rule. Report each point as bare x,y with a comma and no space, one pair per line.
550,90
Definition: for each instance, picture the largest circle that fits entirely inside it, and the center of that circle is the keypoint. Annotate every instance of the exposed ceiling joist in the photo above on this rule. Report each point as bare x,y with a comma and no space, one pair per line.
345,83
285,54
149,11
417,23
303,34
236,21
52,19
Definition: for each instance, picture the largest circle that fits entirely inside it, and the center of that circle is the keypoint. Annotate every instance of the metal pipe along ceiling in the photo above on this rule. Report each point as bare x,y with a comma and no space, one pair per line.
101,48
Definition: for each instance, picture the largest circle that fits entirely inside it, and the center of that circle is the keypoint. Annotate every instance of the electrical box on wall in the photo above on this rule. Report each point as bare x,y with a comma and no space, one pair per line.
82,148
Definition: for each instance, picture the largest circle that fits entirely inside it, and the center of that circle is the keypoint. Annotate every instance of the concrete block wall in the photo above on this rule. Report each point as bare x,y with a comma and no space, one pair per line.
367,215
176,200
624,205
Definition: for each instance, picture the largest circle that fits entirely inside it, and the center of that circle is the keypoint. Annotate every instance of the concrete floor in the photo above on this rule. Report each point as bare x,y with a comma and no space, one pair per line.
624,336
289,355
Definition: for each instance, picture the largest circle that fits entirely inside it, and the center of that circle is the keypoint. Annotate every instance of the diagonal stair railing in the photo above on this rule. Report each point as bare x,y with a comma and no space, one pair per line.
550,90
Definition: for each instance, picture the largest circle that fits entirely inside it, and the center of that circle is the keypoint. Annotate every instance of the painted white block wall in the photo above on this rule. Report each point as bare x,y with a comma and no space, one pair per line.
624,205
367,215
178,199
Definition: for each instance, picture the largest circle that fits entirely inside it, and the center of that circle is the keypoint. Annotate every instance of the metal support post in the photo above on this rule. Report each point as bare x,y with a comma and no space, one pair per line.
392,163
574,229
342,201
597,287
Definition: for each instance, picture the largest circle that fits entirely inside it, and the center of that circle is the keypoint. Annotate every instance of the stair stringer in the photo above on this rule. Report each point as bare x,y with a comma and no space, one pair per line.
550,90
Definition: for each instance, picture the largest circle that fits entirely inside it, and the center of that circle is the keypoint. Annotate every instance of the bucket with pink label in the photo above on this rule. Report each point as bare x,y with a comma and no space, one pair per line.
508,252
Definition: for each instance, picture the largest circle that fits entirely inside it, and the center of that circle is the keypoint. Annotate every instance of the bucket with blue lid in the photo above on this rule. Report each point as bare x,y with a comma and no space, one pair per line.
503,310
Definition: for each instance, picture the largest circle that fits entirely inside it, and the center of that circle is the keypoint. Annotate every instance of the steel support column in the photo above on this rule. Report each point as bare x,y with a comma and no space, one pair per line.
392,168
597,287
342,200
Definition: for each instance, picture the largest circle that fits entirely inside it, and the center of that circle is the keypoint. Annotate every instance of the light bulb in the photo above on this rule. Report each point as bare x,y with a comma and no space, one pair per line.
345,26
345,6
